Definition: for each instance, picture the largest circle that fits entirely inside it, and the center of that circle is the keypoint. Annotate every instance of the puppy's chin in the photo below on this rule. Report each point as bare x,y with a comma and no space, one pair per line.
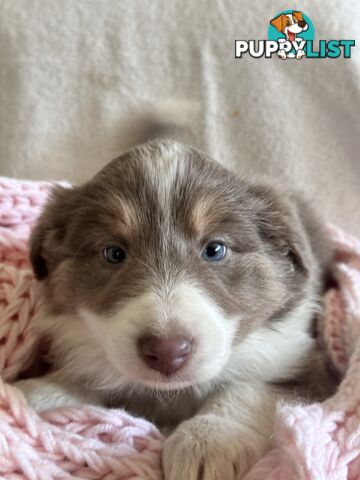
177,381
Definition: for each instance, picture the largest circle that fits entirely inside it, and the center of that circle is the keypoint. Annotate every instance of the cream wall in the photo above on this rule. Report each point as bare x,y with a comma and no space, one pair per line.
71,72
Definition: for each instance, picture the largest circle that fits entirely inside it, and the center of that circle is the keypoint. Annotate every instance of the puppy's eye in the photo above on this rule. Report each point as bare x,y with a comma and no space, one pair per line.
214,252
114,254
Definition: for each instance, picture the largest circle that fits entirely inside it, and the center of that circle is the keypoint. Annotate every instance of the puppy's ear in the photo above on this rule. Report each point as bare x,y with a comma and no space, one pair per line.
46,238
279,22
298,16
280,227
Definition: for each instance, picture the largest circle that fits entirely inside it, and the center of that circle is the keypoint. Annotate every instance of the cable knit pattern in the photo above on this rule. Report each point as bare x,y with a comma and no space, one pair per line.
314,442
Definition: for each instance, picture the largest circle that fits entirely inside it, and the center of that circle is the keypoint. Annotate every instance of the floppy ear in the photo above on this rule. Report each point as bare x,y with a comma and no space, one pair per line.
279,22
280,227
298,16
284,232
46,238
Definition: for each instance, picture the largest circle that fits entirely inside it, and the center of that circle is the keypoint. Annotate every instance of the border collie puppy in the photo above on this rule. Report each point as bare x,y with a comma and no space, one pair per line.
183,293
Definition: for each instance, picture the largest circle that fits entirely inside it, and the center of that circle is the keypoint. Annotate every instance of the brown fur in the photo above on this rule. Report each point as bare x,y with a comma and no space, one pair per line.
263,230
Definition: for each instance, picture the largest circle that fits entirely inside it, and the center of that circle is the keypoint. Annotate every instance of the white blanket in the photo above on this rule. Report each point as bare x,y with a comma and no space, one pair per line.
71,71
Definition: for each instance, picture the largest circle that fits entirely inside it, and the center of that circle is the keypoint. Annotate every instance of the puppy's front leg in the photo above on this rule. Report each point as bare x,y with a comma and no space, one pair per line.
49,391
225,439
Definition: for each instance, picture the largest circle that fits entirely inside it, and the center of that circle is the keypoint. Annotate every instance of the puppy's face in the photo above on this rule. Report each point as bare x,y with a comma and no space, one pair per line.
161,266
290,24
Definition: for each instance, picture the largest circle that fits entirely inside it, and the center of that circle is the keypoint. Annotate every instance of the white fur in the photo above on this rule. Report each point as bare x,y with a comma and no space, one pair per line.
49,392
187,311
163,179
275,351
103,351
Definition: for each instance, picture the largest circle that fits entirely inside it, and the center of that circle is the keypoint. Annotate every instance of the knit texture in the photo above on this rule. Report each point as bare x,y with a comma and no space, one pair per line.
315,442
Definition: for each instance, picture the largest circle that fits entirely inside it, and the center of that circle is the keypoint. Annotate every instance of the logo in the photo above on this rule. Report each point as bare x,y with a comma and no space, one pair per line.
291,34
289,27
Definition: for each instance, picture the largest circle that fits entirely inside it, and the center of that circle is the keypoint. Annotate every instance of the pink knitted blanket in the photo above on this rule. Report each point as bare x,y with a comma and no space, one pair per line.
315,442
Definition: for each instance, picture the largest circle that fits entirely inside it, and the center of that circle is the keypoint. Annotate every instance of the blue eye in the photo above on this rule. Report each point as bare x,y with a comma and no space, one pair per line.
214,252
114,254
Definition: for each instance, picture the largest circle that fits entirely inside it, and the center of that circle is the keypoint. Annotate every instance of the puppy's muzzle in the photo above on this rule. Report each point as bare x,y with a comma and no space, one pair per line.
165,354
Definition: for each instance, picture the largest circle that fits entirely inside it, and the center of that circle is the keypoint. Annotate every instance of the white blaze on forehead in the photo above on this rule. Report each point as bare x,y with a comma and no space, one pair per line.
290,17
164,166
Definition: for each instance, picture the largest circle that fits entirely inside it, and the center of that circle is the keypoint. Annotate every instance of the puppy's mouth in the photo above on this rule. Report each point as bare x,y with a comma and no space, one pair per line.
166,370
291,36
140,377
163,381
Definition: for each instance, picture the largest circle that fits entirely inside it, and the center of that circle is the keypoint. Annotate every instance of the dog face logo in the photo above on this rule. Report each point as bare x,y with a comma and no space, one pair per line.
290,24
290,27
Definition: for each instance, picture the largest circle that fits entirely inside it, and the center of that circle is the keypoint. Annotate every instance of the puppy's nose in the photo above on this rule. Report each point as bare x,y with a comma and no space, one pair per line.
301,23
165,354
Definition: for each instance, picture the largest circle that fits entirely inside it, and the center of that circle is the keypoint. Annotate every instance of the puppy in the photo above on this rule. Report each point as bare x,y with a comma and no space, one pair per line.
290,25
182,293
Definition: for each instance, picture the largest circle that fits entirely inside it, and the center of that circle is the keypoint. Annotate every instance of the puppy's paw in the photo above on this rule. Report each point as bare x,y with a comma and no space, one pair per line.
208,447
300,54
